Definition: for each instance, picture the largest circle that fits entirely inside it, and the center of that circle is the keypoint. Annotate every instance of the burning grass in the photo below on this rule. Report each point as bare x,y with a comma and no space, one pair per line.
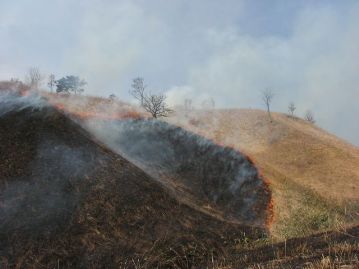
313,175
14,86
218,180
154,141
90,107
68,201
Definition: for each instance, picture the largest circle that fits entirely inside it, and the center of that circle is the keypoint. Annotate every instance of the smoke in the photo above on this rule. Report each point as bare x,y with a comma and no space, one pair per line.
12,101
182,160
43,174
94,107
312,63
313,66
45,199
306,52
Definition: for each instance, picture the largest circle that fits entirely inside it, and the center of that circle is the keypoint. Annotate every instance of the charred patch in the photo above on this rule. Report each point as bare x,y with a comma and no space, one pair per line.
198,170
66,200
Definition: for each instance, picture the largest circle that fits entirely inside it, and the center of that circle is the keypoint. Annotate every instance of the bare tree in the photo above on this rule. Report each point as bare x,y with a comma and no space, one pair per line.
138,89
152,103
267,97
156,105
34,77
52,82
291,108
309,116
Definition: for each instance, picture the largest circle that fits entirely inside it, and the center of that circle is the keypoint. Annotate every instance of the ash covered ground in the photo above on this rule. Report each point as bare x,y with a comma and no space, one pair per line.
196,169
94,193
66,198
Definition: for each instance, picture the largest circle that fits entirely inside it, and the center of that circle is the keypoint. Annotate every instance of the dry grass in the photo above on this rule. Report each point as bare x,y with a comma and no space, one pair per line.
314,176
85,107
104,211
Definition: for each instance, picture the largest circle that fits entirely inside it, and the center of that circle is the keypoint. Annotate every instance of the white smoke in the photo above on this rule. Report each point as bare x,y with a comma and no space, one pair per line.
177,46
10,101
175,157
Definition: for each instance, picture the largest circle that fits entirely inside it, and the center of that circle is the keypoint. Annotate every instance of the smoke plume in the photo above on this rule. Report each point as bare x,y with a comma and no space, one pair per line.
180,160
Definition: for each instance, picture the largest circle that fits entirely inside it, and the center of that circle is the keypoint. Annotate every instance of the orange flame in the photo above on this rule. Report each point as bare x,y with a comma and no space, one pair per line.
270,206
101,109
24,92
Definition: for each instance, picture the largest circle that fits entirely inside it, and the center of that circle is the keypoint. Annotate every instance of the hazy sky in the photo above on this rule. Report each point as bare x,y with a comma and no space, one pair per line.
306,51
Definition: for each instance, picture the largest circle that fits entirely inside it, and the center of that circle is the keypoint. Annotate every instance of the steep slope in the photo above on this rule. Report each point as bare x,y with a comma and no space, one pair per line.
314,176
213,179
68,201
206,176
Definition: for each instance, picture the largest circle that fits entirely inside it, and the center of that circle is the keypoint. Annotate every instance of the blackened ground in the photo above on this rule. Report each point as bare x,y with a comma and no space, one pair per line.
195,168
66,201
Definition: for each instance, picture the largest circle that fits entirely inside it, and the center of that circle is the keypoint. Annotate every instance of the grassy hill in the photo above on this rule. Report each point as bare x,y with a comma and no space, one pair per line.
89,183
314,176
68,201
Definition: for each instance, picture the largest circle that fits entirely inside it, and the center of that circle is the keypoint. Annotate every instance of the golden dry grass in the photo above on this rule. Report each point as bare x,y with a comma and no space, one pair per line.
314,175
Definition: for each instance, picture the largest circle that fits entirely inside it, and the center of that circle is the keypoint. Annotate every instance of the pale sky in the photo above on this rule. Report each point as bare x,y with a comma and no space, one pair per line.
230,50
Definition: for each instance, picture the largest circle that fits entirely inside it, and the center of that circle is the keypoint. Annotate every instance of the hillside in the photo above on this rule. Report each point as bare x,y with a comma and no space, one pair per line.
68,201
314,176
89,183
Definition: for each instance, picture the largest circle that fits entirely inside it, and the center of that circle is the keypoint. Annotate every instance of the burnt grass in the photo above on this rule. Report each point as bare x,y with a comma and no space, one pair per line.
198,171
68,201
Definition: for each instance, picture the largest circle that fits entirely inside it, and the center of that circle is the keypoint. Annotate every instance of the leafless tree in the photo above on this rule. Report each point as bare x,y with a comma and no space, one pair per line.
267,97
52,82
156,105
152,103
309,116
138,89
291,108
34,77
